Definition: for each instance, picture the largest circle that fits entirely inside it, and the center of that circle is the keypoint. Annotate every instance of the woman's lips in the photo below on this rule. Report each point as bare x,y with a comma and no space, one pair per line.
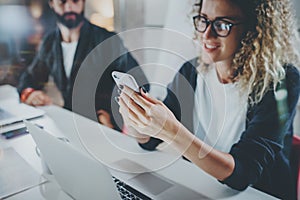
210,47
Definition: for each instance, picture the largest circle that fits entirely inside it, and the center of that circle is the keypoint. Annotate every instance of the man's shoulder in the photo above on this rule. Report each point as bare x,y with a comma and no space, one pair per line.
98,31
48,41
50,36
94,35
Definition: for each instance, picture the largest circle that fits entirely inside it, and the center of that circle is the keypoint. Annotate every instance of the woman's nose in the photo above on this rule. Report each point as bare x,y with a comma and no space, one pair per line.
209,32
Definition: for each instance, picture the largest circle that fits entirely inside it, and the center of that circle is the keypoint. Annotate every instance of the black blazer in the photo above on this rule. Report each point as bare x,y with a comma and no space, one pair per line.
262,153
98,53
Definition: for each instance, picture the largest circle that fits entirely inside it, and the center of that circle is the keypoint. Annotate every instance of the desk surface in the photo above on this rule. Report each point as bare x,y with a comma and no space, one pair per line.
109,146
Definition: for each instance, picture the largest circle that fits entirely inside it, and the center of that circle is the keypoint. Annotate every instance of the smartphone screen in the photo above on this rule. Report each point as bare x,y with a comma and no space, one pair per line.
125,79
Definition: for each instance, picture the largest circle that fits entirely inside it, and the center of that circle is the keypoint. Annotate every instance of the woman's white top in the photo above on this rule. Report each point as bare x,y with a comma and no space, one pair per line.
68,50
219,112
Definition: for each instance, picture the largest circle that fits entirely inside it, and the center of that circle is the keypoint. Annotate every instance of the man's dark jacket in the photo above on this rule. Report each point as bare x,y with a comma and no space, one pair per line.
93,85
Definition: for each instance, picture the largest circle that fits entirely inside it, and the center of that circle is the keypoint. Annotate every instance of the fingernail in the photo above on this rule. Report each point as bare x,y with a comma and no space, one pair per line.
144,89
119,91
121,87
117,99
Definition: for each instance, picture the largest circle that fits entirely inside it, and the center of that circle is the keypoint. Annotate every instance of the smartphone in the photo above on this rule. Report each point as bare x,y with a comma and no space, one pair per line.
15,133
122,78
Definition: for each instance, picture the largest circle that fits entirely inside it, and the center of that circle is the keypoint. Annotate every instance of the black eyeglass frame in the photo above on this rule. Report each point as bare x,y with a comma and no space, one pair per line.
65,1
209,22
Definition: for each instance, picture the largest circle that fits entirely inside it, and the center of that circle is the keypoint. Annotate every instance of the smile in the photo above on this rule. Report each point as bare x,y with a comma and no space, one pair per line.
207,46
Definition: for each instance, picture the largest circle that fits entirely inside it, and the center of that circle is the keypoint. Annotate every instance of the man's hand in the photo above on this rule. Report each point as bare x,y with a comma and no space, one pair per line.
104,118
38,98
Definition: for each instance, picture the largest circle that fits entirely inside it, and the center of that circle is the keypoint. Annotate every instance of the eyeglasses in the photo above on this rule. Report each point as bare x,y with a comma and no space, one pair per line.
65,1
221,27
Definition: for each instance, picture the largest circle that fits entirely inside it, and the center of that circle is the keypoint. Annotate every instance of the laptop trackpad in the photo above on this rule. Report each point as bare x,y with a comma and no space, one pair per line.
151,183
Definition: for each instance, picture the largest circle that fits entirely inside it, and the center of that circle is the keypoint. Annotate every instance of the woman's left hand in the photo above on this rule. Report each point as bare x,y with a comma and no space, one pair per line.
147,115
104,118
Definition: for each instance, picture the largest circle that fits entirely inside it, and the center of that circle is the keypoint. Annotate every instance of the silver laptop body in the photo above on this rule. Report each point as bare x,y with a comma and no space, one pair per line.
149,185
79,175
11,112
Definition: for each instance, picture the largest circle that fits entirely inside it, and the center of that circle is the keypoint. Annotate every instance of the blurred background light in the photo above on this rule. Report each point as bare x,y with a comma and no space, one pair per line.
36,10
105,7
15,20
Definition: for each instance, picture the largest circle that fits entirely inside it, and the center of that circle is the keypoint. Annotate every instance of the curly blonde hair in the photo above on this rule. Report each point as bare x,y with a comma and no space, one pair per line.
269,45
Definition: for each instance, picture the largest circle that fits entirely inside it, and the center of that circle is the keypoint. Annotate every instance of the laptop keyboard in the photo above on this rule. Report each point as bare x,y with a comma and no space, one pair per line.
127,192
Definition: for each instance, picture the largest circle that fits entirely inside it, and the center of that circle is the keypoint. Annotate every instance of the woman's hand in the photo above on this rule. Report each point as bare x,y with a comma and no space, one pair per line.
147,115
141,138
151,117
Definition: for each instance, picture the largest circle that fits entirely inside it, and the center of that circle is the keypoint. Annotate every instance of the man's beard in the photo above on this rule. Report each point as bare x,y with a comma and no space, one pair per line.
70,23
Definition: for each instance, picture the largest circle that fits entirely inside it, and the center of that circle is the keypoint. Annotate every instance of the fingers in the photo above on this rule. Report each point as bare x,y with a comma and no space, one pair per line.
137,98
31,100
135,109
103,112
146,96
104,118
141,138
43,99
144,113
38,98
132,113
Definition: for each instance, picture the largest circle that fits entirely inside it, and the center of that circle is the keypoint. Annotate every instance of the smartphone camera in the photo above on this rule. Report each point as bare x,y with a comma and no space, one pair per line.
115,76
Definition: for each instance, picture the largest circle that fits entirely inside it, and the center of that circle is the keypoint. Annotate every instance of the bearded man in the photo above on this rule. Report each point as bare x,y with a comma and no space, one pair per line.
61,54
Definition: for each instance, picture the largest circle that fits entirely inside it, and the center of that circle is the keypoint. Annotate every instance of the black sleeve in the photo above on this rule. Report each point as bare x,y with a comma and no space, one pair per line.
106,88
37,74
261,144
179,99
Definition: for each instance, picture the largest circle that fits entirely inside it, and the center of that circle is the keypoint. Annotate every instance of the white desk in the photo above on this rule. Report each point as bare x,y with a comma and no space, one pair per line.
110,147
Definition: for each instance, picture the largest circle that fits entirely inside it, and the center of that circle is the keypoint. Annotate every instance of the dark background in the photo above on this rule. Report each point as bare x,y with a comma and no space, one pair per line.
22,25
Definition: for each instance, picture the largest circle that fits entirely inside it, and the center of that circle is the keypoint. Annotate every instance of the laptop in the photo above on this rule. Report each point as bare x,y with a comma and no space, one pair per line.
12,112
79,175
82,177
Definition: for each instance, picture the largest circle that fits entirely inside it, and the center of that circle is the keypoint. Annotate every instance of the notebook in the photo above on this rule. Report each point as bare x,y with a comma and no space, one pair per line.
82,177
12,112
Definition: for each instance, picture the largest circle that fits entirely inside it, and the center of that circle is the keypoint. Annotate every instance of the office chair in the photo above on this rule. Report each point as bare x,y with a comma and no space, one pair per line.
295,163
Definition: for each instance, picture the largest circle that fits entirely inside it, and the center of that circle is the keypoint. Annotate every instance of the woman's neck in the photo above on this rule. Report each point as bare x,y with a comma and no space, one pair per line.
224,72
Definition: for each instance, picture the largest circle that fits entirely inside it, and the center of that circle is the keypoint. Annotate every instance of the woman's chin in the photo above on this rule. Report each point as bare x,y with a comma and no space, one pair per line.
207,59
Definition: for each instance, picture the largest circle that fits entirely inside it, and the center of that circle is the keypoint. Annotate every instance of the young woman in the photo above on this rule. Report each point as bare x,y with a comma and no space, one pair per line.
231,109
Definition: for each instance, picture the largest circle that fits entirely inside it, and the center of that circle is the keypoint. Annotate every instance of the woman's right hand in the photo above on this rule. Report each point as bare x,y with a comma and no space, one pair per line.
147,115
129,130
141,138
